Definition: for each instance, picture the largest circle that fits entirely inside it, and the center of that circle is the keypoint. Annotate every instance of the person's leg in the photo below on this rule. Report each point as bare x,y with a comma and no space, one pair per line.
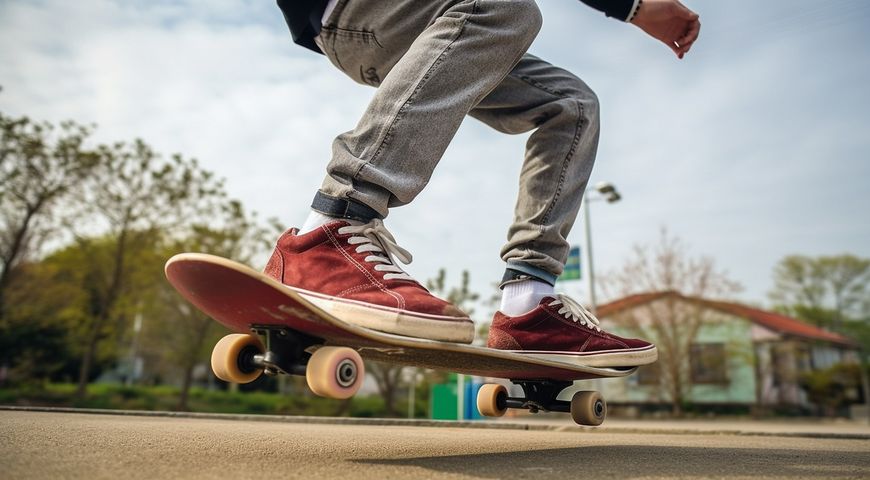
560,153
432,63
563,111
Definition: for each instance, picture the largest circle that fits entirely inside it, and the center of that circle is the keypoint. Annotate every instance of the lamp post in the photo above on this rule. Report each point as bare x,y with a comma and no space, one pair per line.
606,191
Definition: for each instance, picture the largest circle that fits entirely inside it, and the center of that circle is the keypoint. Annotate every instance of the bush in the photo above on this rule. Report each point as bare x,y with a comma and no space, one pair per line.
833,389
165,398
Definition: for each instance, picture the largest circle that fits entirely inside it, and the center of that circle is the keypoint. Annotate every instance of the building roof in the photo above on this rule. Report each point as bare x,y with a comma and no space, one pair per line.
771,320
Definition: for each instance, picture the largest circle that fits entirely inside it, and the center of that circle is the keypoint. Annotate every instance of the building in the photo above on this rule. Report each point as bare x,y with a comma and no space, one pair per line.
720,353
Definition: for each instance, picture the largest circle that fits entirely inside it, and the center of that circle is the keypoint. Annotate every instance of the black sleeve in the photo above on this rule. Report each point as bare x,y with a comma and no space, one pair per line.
619,9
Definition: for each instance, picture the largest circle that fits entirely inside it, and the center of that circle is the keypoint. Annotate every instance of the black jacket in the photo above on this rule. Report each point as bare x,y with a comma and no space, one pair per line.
304,16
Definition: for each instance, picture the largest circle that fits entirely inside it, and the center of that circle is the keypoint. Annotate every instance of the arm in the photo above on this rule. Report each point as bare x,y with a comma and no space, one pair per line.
668,21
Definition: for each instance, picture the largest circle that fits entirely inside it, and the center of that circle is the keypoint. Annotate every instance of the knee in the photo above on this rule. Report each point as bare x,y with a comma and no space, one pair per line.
519,21
588,106
592,108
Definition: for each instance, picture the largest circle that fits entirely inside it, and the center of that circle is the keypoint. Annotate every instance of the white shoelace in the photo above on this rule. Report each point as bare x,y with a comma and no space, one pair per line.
374,237
573,310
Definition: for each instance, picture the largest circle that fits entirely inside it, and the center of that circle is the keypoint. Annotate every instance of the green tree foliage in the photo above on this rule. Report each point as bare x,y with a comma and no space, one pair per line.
176,335
834,388
826,290
118,212
460,295
832,292
46,304
40,165
136,196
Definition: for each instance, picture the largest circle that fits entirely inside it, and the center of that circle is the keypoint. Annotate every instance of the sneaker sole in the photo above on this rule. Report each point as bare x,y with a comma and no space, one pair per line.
610,358
392,320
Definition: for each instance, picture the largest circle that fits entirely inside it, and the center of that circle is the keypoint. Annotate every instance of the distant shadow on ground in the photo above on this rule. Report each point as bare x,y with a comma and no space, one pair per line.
627,461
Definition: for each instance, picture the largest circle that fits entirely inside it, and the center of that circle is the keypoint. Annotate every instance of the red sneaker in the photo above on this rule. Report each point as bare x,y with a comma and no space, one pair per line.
349,272
561,329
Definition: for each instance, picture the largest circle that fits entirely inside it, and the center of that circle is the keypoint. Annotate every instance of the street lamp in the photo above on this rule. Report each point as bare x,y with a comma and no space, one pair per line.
606,191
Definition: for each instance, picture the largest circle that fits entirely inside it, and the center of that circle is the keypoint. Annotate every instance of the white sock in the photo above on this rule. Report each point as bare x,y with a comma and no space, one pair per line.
522,297
314,221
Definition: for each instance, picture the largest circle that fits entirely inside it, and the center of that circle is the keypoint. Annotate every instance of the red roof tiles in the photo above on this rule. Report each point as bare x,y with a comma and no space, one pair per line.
771,320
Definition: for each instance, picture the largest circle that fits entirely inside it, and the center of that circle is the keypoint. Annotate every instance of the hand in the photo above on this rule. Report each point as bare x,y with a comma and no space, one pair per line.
670,22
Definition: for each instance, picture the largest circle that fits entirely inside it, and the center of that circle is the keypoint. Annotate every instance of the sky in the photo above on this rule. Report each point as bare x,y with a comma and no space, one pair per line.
754,147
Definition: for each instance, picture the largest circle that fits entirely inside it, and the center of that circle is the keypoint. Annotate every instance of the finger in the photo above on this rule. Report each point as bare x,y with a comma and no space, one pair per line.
691,34
688,14
684,47
675,48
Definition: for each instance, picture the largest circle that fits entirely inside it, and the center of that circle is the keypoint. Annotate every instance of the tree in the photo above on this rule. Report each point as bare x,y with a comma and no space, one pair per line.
137,198
826,290
45,303
830,291
670,323
182,335
460,296
39,167
833,388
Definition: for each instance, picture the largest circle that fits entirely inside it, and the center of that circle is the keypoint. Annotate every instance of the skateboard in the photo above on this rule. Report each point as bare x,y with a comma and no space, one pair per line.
277,331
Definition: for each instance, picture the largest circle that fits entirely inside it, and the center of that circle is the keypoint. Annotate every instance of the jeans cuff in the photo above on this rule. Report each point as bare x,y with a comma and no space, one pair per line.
343,208
517,271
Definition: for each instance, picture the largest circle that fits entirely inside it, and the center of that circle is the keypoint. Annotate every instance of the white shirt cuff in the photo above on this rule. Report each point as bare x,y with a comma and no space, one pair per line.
633,11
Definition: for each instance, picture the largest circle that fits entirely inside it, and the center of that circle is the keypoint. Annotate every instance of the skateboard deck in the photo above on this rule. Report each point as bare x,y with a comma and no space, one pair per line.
247,301
239,298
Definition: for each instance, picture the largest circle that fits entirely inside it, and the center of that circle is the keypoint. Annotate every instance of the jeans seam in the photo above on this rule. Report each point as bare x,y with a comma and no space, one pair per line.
578,132
363,36
400,113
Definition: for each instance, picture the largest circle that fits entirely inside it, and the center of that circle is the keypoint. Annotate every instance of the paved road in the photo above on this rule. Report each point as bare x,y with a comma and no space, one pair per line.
71,445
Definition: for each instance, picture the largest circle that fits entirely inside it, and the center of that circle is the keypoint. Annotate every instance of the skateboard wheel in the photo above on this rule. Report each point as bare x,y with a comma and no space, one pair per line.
491,400
335,372
230,359
588,408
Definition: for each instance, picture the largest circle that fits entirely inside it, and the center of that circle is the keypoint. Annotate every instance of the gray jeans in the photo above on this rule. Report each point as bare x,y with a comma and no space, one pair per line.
434,62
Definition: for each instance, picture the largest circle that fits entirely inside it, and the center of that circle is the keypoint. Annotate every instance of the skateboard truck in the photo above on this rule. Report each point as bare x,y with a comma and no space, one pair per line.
585,407
540,396
285,351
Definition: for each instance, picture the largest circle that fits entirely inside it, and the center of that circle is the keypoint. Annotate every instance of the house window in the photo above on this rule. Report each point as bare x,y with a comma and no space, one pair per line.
709,363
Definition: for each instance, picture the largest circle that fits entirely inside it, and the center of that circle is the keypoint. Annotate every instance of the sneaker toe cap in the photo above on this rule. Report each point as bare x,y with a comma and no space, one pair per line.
418,300
615,343
636,343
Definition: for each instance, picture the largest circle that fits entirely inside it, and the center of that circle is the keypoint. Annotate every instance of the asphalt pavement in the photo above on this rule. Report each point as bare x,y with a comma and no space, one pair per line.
53,445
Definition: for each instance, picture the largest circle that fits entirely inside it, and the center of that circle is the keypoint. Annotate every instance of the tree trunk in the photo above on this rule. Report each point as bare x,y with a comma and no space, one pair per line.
387,379
390,403
202,332
12,256
677,394
865,382
88,359
677,403
103,315
343,407
185,387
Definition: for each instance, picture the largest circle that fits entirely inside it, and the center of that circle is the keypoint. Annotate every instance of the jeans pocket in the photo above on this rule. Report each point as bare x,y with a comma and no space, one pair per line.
357,53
